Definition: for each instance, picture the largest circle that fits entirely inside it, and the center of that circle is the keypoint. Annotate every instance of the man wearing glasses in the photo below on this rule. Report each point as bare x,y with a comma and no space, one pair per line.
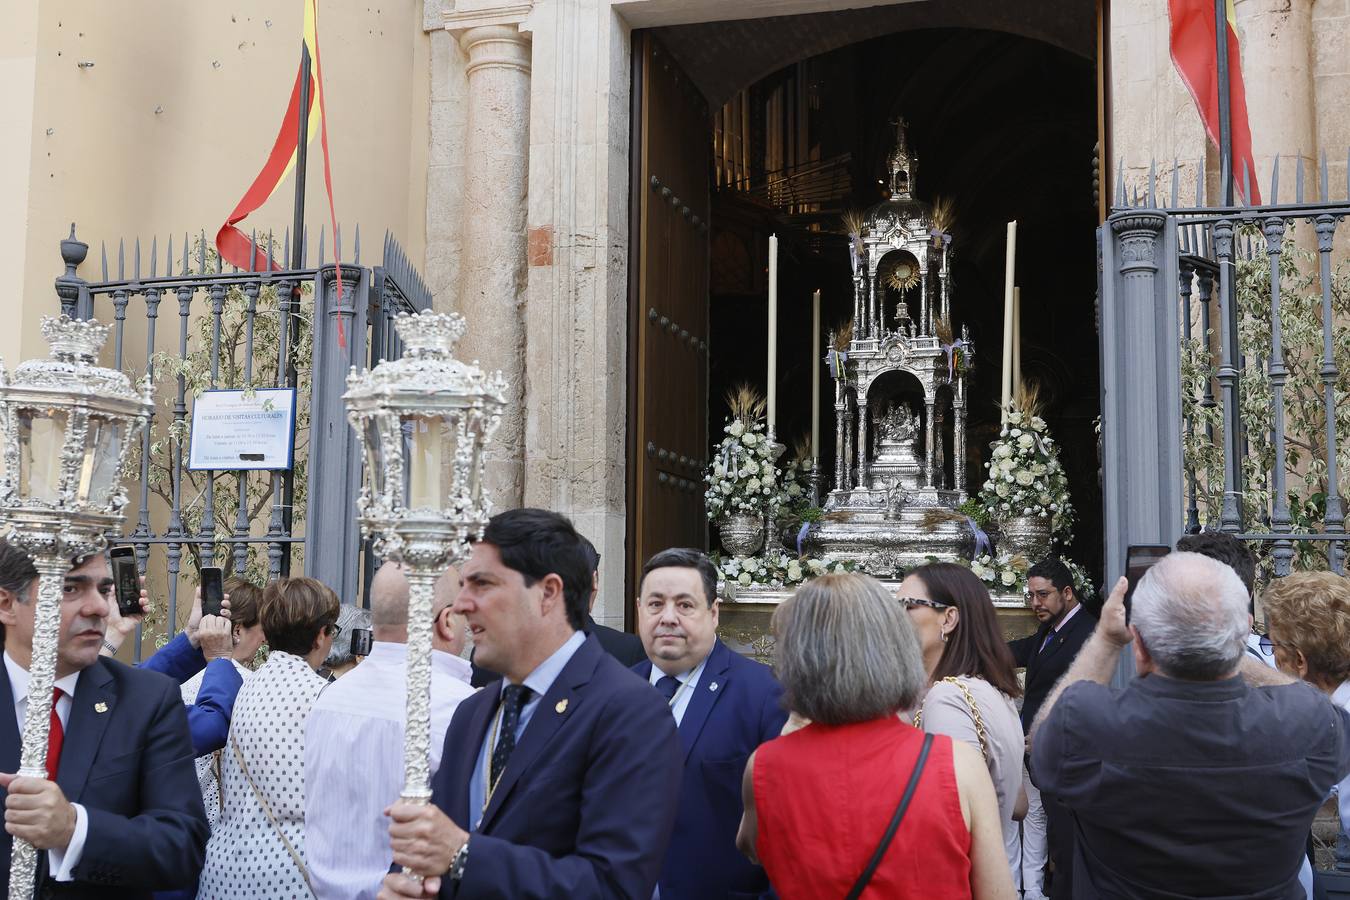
1046,655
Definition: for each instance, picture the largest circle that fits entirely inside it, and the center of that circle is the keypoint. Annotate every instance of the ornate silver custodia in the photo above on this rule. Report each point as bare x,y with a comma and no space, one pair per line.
900,391
67,424
424,420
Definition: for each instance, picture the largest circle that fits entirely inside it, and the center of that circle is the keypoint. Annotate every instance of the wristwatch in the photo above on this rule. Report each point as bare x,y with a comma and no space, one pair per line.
457,864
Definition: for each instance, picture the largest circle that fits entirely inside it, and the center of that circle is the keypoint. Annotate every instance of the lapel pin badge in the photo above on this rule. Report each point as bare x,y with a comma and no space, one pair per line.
100,707
561,707
713,686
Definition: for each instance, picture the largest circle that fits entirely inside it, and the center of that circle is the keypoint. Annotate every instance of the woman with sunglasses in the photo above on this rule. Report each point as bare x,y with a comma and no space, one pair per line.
258,846
972,682
1308,625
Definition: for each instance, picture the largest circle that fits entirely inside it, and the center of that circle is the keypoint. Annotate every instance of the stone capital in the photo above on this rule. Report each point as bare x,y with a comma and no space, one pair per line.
495,47
461,16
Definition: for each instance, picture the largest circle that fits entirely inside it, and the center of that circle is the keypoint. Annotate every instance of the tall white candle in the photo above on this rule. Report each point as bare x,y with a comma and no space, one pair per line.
773,332
1008,274
1017,341
815,377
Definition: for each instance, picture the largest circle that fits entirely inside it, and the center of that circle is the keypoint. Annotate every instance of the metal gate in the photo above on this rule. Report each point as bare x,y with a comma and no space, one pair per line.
1225,334
262,327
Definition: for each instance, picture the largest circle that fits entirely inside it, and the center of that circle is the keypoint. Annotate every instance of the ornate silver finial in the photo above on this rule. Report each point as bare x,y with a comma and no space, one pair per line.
901,163
74,340
430,335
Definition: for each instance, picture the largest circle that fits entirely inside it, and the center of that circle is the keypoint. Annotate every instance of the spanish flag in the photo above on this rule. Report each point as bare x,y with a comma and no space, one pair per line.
1196,58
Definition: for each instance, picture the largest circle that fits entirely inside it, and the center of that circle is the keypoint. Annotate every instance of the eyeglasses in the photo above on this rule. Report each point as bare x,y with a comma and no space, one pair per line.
1268,645
911,602
330,629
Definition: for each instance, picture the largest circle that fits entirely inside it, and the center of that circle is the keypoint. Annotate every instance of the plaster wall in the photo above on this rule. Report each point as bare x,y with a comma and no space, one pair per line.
166,129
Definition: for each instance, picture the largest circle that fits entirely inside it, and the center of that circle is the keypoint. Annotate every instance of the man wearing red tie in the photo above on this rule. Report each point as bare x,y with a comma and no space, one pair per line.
107,830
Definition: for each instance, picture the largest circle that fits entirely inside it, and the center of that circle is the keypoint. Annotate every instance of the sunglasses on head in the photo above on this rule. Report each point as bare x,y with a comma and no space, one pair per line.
911,602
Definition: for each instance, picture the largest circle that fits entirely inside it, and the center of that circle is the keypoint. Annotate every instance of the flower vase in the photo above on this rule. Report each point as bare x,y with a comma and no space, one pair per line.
1026,536
742,534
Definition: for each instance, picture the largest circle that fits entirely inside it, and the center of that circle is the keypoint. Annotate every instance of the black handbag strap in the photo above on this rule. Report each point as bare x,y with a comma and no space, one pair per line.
886,838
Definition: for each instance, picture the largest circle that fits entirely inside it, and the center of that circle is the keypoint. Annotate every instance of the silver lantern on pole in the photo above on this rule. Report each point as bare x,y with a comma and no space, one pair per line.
424,420
67,425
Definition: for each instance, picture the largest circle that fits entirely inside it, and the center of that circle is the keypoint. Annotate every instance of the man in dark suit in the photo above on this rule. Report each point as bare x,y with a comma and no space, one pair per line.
124,815
725,706
625,647
561,780
1046,655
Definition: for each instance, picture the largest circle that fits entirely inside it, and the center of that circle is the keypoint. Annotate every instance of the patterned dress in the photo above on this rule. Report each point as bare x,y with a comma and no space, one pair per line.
208,766
245,858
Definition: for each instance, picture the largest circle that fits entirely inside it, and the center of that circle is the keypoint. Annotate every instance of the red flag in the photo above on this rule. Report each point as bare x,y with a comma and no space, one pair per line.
1196,58
234,246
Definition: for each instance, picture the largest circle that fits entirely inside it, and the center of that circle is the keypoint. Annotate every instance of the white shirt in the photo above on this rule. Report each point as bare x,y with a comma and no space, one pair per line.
688,682
208,766
61,863
354,765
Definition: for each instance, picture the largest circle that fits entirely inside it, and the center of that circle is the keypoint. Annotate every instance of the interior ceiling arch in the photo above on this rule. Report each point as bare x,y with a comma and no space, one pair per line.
723,57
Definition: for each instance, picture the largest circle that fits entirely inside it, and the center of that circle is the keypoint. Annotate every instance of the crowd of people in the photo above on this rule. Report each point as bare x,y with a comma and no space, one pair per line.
891,750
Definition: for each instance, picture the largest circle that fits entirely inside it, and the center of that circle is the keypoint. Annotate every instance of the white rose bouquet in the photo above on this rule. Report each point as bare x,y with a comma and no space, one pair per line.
1025,476
742,478
774,568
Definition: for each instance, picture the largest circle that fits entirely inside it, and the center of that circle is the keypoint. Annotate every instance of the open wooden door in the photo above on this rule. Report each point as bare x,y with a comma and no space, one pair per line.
668,310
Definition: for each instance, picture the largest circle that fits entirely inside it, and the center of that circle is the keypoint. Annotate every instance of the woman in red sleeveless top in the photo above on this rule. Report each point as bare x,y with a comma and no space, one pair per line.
819,800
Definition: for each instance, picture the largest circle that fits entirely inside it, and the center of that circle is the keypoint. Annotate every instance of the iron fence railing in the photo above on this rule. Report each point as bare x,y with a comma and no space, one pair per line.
1260,316
266,326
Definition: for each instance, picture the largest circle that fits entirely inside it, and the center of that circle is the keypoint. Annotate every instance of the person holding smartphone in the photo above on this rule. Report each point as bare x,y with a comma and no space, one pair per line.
206,643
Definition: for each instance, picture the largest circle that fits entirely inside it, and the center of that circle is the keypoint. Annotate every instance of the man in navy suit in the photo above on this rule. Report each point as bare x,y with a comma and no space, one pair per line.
724,705
124,815
1065,627
562,779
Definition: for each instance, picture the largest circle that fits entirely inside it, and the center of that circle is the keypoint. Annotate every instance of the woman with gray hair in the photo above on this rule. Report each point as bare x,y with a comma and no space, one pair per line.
341,659
859,803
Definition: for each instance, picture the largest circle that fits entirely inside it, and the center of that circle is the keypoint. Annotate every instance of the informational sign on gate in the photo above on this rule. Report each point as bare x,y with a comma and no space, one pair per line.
243,429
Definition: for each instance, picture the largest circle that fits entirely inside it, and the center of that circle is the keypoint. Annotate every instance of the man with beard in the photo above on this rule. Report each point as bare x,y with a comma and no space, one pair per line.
1046,655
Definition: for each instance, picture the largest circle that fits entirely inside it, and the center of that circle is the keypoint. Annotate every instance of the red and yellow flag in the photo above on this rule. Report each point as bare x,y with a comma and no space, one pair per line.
234,246
1196,58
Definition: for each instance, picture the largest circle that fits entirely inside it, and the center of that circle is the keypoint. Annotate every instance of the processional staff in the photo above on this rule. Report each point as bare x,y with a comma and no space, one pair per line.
424,419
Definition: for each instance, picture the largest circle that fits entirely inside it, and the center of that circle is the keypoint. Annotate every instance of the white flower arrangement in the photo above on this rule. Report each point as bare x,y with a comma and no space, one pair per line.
742,478
1003,574
775,568
1025,476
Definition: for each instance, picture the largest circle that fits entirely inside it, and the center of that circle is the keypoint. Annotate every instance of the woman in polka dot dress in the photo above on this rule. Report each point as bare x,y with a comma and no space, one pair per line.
257,849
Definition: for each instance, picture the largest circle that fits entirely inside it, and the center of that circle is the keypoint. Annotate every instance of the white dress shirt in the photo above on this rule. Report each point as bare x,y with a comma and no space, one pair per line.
688,682
61,863
354,765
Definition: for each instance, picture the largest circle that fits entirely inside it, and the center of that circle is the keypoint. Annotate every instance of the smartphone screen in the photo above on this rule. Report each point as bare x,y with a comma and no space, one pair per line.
213,590
1139,558
126,580
361,641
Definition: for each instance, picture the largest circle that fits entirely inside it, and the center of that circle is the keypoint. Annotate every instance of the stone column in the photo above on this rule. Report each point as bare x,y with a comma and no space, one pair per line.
492,265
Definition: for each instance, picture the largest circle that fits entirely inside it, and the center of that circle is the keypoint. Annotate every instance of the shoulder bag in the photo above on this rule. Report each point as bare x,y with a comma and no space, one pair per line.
267,809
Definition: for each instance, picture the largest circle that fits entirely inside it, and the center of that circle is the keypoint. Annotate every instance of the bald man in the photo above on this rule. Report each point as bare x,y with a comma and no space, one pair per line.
354,739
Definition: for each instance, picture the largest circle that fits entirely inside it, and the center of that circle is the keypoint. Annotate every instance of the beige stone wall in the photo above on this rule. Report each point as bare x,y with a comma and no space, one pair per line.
167,128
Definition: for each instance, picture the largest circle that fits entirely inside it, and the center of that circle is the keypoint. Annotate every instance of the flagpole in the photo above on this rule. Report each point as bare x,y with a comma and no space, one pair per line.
1226,175
297,261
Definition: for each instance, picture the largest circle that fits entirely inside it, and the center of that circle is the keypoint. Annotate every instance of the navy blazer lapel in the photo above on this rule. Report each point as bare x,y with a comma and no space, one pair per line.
91,709
711,685
1059,637
11,742
470,745
554,708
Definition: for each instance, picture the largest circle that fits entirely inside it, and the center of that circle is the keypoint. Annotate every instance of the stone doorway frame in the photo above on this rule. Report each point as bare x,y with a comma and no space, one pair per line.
528,185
